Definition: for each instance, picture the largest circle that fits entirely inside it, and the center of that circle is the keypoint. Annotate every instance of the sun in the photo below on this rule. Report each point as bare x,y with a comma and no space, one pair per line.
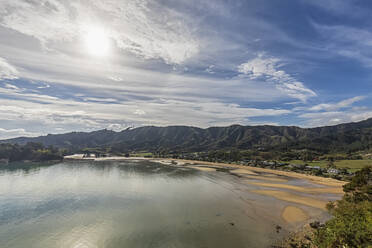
97,42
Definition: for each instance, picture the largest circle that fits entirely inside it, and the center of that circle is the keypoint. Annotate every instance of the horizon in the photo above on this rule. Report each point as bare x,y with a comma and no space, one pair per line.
67,66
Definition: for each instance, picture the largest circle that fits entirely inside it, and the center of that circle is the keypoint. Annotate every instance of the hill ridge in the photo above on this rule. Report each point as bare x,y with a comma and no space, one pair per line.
347,136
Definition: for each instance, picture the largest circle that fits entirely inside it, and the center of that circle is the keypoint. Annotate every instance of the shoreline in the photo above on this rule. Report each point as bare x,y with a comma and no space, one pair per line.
240,169
318,180
304,197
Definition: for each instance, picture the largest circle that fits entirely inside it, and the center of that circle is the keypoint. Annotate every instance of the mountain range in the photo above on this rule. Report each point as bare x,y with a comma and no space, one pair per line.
344,137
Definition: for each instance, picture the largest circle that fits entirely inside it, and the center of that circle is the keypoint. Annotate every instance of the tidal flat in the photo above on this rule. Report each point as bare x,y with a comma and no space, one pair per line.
141,203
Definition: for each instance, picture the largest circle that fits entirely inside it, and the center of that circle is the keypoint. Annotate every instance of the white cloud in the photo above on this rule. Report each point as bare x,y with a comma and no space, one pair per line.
92,75
12,90
335,113
116,127
338,105
210,69
7,71
335,117
262,67
47,112
141,27
11,86
115,78
44,86
18,132
268,69
296,90
136,84
97,99
139,112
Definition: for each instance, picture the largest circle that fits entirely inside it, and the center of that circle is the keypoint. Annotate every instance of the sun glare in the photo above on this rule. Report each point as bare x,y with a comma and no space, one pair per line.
97,42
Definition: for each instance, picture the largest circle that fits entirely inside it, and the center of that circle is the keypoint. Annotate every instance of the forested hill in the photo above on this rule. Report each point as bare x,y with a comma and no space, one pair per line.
344,137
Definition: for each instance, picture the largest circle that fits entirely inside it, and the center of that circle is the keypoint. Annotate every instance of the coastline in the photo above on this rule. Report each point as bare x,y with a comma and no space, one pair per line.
240,169
302,203
318,180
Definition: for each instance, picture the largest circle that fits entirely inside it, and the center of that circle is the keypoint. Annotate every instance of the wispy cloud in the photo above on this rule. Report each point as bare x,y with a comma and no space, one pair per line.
183,62
336,106
94,114
18,132
336,117
141,27
268,69
348,9
335,113
347,41
7,71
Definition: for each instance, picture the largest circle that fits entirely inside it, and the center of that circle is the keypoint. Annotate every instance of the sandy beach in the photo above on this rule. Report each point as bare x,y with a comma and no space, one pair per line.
202,168
252,170
331,190
291,197
292,214
266,178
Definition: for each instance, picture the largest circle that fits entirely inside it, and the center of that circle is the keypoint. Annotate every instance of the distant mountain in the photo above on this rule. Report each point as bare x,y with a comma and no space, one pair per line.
343,137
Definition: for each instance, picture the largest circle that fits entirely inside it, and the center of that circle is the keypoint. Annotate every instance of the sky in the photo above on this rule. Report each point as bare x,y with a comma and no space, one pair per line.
70,65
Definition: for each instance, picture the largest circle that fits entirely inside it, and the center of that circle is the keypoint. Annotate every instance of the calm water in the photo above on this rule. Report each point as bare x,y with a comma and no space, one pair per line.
130,204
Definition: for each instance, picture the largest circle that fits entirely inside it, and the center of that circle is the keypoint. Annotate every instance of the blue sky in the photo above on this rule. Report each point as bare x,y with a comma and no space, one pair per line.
87,65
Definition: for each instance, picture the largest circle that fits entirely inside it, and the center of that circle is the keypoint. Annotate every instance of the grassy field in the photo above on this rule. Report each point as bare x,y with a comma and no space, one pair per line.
352,164
141,154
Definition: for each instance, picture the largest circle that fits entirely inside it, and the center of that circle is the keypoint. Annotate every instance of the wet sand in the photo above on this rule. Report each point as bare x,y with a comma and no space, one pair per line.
292,214
327,190
265,178
318,180
283,186
295,198
202,168
243,171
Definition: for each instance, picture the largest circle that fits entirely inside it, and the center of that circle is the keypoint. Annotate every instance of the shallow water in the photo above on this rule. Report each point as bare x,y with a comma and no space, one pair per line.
131,204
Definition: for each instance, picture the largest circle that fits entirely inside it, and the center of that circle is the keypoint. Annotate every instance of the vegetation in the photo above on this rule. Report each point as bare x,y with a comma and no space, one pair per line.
351,165
351,225
29,152
141,154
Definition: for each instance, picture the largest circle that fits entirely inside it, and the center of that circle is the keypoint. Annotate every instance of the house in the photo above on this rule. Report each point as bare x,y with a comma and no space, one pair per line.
89,155
267,163
333,171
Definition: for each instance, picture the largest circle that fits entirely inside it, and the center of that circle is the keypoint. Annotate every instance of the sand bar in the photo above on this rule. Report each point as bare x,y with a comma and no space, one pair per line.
318,180
292,214
264,178
243,171
290,197
325,190
202,168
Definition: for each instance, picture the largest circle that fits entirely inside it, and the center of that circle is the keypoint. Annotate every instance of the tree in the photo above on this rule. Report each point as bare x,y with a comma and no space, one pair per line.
351,225
360,187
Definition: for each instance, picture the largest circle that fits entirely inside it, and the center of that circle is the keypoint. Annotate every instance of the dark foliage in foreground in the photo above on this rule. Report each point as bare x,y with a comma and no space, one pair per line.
351,225
30,152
